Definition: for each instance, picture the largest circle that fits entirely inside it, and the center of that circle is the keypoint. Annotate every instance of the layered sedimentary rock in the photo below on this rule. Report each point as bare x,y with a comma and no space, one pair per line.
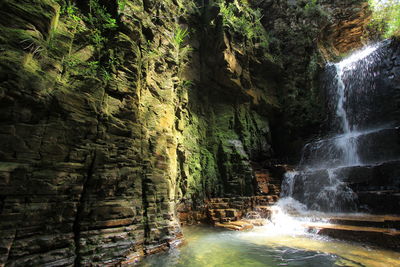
348,28
111,115
93,161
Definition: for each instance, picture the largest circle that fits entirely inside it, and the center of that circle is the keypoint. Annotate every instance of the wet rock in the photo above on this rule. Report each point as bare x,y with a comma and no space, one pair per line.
262,180
226,210
387,238
236,225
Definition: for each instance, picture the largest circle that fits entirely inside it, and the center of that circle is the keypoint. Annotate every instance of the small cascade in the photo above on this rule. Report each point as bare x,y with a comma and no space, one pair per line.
288,183
288,217
334,195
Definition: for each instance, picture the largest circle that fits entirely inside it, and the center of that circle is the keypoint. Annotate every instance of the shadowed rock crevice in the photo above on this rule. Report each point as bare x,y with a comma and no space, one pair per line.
81,206
145,205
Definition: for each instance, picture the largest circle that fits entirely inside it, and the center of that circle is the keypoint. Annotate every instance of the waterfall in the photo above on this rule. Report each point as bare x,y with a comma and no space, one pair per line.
360,129
347,142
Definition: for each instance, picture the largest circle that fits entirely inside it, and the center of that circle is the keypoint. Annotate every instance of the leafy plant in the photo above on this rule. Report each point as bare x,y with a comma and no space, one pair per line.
121,5
179,36
50,47
386,17
244,20
310,4
72,62
146,54
78,67
91,68
100,23
95,25
188,7
99,17
97,38
71,11
106,75
178,39
75,23
150,53
186,84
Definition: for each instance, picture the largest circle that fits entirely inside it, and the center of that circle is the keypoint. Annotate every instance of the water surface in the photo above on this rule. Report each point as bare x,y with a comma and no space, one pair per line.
206,246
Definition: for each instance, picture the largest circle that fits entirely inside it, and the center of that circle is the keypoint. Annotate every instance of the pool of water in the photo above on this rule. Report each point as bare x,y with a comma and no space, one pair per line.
207,246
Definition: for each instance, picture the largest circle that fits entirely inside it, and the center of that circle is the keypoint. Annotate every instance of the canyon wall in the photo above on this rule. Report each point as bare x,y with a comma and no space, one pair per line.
115,112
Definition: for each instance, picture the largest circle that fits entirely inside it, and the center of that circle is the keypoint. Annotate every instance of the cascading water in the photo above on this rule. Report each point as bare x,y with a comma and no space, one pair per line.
318,184
360,131
345,142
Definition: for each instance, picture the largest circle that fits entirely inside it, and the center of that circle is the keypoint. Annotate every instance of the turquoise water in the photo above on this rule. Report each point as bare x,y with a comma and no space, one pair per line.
206,246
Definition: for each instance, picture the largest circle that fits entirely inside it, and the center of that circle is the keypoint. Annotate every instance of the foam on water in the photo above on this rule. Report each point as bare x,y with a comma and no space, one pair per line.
283,221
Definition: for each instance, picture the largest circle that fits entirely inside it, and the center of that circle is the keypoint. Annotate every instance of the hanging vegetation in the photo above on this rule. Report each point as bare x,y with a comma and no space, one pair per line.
386,17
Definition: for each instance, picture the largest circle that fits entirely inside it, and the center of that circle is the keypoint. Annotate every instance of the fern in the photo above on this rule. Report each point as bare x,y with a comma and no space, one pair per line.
244,20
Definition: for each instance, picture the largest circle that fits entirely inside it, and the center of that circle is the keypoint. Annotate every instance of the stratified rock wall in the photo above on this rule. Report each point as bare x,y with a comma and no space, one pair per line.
111,114
103,130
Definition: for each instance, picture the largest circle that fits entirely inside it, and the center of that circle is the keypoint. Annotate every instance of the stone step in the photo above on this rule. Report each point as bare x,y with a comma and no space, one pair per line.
275,185
222,205
374,229
267,179
223,210
241,225
380,146
219,200
235,226
353,228
377,236
223,213
367,220
266,200
362,217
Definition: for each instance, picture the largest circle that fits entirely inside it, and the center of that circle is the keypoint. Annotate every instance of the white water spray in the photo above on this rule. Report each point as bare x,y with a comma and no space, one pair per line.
287,219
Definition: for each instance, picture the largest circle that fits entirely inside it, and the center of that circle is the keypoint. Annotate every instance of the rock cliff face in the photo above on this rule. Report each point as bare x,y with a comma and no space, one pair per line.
113,112
304,35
